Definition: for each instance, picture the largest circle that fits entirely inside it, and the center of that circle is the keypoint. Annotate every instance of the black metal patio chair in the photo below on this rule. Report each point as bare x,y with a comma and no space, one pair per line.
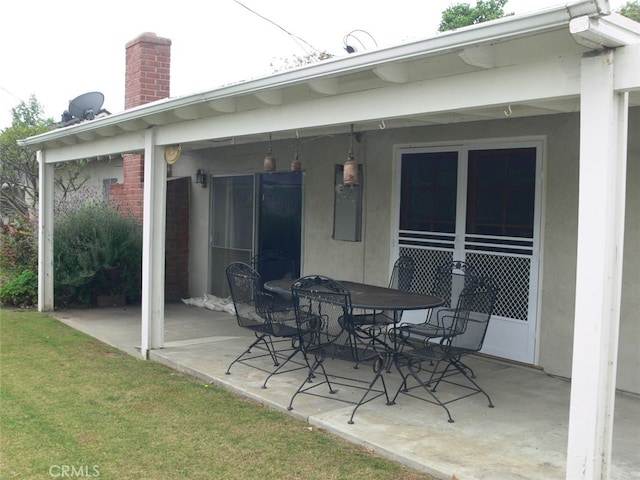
432,352
323,309
275,265
370,328
275,329
450,280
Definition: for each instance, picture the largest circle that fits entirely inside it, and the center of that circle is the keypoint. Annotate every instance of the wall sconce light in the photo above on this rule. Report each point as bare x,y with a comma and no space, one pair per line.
269,160
350,175
201,177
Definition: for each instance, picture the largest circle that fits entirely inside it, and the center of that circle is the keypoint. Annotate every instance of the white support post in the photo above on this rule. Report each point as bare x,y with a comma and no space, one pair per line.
153,233
603,140
45,234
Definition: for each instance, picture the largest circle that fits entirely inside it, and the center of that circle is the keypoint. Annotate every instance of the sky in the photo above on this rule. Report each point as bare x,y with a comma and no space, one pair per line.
60,50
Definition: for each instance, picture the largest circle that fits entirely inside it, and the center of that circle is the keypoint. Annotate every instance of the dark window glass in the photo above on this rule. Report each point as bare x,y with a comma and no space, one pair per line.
501,192
429,183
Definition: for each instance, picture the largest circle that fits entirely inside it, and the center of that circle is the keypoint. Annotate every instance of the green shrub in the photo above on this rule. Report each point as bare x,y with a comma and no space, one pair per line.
18,247
97,251
20,291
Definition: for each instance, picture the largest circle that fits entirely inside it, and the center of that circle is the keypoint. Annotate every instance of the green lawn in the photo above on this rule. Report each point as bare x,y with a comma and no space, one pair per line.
74,407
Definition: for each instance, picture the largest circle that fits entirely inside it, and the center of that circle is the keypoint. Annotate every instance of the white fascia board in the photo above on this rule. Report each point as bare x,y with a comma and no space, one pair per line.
518,84
132,142
482,34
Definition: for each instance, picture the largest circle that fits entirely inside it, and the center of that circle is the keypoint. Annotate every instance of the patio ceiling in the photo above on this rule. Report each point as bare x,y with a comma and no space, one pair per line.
513,67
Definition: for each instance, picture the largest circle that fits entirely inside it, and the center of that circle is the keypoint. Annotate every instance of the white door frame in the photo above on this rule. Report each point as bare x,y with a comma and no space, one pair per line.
507,337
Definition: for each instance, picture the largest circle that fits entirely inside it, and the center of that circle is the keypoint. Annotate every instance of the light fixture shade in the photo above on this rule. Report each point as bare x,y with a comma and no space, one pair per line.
269,163
296,166
350,175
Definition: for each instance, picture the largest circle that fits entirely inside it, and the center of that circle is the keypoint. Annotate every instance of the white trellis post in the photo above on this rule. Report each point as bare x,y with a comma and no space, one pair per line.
601,212
153,244
45,234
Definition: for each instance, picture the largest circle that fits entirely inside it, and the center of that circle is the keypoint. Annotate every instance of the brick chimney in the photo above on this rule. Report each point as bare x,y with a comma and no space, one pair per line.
147,79
148,70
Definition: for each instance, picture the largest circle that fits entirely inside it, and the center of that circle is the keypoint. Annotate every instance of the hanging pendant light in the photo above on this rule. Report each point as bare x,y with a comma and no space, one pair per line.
350,175
296,166
269,160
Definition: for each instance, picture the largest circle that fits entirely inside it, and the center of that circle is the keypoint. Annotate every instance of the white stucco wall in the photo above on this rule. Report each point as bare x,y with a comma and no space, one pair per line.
370,259
629,353
99,170
186,166
338,259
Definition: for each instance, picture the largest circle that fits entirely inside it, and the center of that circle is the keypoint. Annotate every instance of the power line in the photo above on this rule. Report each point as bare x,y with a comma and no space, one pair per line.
296,38
10,93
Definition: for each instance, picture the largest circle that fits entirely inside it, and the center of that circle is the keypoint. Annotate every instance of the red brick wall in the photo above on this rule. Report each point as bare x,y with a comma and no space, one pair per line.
148,61
177,240
128,196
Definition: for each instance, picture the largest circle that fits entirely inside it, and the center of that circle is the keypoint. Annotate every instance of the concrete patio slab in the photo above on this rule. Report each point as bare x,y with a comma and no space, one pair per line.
523,437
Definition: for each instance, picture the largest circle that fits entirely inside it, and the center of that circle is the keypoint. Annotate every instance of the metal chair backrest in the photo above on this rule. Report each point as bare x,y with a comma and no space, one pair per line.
402,274
323,305
244,284
274,265
474,310
451,280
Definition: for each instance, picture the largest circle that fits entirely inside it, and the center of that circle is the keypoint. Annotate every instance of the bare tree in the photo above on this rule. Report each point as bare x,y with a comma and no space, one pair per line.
19,166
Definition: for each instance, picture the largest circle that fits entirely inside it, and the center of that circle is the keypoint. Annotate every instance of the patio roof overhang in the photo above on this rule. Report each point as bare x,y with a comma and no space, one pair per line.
451,77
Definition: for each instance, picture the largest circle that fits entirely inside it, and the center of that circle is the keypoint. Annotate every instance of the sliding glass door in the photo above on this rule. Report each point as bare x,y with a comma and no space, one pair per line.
252,213
232,212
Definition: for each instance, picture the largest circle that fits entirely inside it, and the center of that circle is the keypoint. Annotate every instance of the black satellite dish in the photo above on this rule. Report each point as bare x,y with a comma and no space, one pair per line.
86,106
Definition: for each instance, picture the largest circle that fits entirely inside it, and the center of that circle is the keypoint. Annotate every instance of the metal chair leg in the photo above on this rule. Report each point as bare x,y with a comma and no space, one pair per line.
260,338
